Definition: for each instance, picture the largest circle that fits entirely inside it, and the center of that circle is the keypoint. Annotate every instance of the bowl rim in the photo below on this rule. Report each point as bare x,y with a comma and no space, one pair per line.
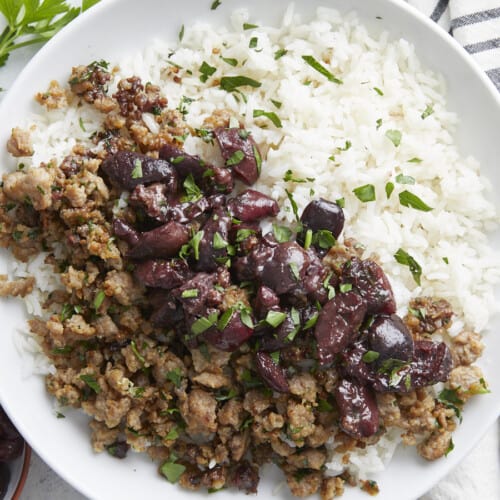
24,472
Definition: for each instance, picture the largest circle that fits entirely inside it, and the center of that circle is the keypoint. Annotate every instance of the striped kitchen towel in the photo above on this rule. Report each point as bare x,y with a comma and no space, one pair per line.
475,24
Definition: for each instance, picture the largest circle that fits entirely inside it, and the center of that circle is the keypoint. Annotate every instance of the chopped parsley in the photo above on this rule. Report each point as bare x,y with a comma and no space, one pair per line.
206,71
137,354
99,299
278,104
345,287
258,159
175,376
293,203
311,322
91,382
253,42
280,53
449,397
324,405
170,469
275,318
219,242
415,159
181,33
365,193
370,356
270,115
389,188
215,4
378,91
324,239
450,448
288,177
137,170
411,200
232,83
191,293
282,233
249,26
193,192
405,179
236,158
275,356
204,323
229,395
407,260
394,136
321,69
243,234
229,60
379,123
427,111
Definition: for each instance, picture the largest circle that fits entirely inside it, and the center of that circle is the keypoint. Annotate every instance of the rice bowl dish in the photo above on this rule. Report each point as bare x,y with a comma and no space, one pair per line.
384,151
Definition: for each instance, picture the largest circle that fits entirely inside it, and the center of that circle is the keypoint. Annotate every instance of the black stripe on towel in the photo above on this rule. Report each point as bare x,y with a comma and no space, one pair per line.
439,10
476,17
474,48
494,75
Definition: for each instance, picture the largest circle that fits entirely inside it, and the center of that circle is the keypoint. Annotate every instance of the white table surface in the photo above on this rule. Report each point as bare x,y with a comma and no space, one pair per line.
476,478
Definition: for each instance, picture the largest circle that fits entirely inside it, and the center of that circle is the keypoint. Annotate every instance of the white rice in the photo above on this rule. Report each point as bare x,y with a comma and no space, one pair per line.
318,117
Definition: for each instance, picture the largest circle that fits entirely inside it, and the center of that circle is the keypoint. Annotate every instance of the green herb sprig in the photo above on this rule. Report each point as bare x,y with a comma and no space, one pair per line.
34,21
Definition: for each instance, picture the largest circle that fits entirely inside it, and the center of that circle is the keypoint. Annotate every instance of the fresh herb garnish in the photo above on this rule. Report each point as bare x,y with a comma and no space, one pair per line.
175,376
389,188
445,260
394,136
370,356
258,159
249,26
308,239
449,397
427,111
411,200
215,4
195,243
170,469
231,83
365,193
415,160
324,239
311,321
340,202
206,71
450,448
282,233
280,53
288,177
219,242
236,158
229,60
183,108
137,170
243,234
407,260
275,318
270,115
405,179
181,33
91,382
345,287
324,405
321,69
253,42
293,203
378,91
191,293
99,299
193,192
204,323
278,104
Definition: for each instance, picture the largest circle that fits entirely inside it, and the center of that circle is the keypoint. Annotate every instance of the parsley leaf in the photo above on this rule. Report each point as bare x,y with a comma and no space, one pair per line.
394,136
365,193
236,158
270,115
137,170
215,4
170,469
34,22
206,71
91,382
411,200
231,83
427,112
280,53
321,69
405,179
407,260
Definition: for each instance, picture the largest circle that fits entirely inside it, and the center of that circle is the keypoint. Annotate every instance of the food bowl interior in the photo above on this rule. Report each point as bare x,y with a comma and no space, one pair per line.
114,28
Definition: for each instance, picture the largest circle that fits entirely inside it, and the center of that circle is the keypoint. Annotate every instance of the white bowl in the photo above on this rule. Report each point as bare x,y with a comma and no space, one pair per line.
116,27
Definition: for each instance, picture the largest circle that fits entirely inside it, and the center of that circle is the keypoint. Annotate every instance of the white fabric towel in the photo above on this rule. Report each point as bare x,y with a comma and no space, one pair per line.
475,24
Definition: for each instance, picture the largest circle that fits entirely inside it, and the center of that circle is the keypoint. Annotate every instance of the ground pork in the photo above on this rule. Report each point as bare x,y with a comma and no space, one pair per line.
55,97
199,412
16,288
19,143
32,185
